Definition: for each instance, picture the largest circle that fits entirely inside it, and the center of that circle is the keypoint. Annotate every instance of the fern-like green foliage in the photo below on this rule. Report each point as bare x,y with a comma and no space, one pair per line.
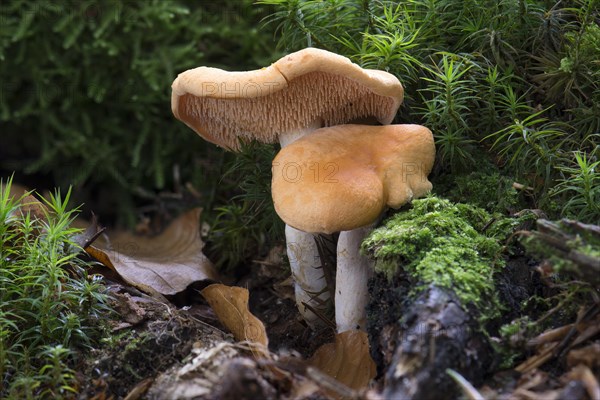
519,79
85,89
580,187
448,97
85,93
246,225
49,306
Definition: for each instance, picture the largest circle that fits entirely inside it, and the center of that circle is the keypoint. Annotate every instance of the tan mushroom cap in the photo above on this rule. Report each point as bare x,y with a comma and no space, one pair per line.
303,88
343,177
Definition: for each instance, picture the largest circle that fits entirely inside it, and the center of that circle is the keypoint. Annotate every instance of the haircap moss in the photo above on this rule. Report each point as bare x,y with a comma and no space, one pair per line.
439,242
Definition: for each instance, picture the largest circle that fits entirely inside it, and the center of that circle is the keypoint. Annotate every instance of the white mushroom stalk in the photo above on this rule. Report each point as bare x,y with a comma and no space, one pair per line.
351,281
310,285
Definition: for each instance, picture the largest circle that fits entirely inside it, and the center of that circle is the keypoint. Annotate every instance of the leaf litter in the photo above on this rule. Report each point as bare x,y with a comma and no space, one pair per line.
166,264
153,334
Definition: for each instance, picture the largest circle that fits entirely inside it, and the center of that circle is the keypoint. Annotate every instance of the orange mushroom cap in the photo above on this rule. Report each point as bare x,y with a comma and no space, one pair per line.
343,177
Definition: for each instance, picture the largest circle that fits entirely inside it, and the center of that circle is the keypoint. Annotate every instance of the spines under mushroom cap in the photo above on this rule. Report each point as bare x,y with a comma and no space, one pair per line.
301,88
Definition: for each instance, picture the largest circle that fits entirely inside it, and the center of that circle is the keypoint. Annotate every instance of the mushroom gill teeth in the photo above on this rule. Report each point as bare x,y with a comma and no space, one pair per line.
332,98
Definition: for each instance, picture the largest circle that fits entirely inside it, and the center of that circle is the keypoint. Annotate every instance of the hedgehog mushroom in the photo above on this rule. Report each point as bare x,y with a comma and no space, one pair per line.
343,178
299,93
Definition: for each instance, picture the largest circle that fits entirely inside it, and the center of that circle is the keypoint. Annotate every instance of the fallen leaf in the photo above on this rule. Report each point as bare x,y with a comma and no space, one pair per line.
347,359
16,191
90,231
100,256
230,303
28,204
164,264
140,389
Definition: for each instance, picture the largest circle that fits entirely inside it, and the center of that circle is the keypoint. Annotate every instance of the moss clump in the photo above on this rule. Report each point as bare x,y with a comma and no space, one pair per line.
491,191
514,335
487,188
438,242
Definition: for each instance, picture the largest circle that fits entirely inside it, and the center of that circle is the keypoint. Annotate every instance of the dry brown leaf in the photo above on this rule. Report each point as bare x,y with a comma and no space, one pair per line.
100,256
16,190
140,389
165,264
29,204
230,303
347,359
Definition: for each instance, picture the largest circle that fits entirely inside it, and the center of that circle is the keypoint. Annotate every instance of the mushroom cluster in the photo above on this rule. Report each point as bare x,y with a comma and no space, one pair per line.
328,177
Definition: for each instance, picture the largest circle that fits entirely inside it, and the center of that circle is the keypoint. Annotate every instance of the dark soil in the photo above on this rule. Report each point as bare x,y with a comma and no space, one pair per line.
147,337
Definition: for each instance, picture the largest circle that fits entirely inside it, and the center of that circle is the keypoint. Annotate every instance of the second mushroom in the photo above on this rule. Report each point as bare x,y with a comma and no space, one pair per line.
340,179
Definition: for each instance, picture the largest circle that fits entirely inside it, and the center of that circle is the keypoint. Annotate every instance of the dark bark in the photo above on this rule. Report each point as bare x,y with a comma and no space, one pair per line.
416,339
242,381
565,240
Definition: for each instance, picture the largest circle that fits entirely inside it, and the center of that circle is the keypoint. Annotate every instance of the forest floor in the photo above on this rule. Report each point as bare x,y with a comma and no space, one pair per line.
179,329
178,347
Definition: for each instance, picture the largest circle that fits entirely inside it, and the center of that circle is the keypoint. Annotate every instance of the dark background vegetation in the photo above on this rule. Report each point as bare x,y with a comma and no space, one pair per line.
85,95
510,88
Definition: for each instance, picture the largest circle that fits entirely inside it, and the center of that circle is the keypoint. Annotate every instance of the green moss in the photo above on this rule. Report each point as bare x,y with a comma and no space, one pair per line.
438,242
486,188
51,310
514,335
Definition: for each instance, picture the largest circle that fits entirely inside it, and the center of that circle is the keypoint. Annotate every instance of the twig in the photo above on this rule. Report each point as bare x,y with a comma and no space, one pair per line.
537,360
564,345
468,389
552,335
319,314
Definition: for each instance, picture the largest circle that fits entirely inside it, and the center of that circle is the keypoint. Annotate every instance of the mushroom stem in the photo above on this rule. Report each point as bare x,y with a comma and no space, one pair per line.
291,136
310,285
352,276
